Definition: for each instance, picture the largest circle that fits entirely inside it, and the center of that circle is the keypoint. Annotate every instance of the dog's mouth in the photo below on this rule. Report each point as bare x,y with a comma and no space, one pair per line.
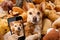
35,22
18,33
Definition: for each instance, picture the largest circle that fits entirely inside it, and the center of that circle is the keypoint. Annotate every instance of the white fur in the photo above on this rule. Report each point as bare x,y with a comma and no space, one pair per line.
37,29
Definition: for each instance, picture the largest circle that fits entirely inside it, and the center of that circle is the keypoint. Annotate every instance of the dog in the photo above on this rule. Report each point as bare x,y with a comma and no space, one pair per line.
34,24
16,31
17,28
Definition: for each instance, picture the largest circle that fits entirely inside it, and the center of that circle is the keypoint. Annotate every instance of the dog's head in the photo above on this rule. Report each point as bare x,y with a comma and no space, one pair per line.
16,27
33,15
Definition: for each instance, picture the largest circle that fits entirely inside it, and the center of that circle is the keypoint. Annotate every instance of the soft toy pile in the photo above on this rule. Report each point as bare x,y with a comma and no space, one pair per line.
48,15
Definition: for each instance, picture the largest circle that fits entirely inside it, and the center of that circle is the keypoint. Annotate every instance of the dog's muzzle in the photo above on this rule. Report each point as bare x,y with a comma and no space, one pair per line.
34,19
19,28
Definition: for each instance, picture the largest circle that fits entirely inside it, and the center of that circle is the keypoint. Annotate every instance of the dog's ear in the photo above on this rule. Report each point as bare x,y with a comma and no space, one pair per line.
30,5
27,6
20,21
11,24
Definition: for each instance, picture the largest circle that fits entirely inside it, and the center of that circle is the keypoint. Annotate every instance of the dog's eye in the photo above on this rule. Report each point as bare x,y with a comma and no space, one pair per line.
20,25
15,26
38,13
30,13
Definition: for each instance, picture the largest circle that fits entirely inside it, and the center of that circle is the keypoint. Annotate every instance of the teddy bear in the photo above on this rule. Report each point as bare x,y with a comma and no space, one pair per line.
52,34
57,4
49,10
3,26
51,14
1,1
56,23
47,23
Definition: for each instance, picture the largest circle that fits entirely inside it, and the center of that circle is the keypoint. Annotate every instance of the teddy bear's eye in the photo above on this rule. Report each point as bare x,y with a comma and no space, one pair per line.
38,13
30,13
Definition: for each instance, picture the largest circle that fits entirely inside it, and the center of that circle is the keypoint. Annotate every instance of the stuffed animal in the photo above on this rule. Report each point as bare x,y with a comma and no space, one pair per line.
17,9
46,25
24,16
56,23
1,1
3,26
57,8
51,14
52,34
57,2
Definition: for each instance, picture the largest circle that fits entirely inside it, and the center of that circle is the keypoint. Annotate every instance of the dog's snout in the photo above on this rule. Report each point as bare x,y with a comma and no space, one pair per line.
18,28
34,19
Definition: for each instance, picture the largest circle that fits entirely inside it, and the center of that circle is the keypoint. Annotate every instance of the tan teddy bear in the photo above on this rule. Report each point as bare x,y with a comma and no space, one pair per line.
56,23
46,25
51,14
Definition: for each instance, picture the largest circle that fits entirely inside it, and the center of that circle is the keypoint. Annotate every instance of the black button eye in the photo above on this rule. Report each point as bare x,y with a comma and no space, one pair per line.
30,13
38,13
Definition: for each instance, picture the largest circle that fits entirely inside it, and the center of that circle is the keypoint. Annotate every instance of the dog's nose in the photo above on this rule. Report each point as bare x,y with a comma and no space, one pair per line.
18,28
34,19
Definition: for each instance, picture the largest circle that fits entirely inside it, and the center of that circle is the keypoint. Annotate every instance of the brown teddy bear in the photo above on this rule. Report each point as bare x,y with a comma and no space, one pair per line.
52,34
